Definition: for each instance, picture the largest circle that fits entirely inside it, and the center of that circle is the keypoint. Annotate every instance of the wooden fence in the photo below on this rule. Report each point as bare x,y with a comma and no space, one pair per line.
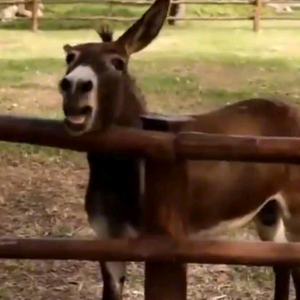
256,17
163,245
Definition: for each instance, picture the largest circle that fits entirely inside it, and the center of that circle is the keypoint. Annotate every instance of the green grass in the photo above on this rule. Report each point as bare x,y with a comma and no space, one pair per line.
20,71
184,70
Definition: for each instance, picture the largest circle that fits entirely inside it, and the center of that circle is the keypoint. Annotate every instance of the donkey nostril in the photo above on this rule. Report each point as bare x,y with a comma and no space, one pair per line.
86,86
86,110
65,84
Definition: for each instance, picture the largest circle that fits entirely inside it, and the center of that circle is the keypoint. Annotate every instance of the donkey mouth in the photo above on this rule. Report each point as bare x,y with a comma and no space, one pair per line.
78,122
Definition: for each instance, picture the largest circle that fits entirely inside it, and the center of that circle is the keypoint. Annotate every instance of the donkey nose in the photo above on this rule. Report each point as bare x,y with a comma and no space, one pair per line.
86,86
65,84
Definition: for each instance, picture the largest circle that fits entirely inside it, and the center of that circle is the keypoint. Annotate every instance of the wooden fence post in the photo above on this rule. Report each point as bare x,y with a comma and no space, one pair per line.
166,193
35,8
257,15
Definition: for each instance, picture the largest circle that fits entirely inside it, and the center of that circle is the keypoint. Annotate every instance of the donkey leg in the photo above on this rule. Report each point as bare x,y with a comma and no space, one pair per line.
113,273
296,280
282,283
293,229
270,227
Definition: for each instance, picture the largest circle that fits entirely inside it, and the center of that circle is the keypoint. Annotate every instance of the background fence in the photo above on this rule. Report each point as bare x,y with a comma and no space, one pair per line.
252,10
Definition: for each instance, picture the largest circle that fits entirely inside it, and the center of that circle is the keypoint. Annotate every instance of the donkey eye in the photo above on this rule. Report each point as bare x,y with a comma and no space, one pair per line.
70,57
118,63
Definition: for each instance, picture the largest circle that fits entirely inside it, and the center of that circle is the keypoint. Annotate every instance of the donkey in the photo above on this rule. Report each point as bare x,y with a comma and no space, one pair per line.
98,93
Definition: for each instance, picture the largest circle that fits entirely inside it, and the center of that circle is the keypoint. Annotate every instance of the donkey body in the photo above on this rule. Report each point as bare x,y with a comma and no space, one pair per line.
98,93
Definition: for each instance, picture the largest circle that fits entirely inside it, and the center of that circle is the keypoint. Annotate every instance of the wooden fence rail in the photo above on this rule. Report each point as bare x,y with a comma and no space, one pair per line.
134,3
153,249
152,144
256,17
163,244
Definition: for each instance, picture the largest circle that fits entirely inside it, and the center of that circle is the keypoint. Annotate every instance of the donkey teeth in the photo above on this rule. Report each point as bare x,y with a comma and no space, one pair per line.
77,119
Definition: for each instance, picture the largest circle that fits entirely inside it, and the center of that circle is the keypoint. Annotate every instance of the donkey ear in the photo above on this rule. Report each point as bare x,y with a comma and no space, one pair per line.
146,29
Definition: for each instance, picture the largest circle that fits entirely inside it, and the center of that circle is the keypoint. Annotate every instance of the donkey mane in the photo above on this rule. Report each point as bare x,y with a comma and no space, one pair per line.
105,33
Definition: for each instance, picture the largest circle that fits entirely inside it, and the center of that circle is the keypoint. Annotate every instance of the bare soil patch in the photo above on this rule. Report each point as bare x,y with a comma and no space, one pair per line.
40,95
41,198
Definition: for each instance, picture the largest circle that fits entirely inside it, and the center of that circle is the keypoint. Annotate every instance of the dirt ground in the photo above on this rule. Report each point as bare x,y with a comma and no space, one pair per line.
46,199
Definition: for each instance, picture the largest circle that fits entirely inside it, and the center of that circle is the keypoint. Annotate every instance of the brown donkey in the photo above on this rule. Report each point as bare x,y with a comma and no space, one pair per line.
98,93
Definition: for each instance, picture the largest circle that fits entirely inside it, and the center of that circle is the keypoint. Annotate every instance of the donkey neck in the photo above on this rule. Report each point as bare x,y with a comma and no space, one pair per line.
119,175
134,105
116,180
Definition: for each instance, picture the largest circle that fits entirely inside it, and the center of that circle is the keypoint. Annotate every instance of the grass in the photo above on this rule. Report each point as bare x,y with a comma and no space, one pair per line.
187,69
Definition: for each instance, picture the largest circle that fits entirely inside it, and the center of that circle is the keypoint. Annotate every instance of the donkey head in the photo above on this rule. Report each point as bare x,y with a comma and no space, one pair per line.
93,85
